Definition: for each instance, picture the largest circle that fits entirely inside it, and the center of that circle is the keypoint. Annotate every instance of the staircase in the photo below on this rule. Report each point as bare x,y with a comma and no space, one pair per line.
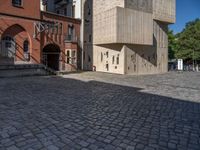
6,60
21,70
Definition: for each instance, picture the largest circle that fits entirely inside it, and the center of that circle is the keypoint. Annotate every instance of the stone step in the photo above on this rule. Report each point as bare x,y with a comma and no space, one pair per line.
21,70
6,60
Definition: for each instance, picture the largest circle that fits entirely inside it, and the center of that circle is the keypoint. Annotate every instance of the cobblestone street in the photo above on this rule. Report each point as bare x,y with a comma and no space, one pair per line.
90,111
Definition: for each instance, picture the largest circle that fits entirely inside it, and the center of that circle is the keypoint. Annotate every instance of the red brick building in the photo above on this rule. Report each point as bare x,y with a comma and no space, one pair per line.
28,35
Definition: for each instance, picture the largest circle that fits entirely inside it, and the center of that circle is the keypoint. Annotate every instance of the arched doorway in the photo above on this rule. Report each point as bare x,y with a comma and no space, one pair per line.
51,56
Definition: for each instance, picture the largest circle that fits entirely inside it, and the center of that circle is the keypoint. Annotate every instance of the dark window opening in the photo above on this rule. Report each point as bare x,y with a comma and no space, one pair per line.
107,54
113,59
84,56
26,50
8,44
26,46
65,11
68,57
107,67
90,38
17,2
89,59
101,56
118,60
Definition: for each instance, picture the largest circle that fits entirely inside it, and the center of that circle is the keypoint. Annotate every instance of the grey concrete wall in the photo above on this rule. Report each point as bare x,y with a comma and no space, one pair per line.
149,59
100,6
122,25
111,56
164,10
142,5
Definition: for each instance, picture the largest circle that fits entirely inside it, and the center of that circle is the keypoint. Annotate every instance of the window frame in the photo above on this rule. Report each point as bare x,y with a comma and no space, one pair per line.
16,4
26,46
70,58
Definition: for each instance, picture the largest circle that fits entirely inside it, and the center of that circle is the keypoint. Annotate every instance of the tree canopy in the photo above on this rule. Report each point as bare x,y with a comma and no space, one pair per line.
186,45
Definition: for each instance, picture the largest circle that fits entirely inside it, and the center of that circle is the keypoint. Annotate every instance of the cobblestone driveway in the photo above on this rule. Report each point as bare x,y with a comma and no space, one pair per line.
100,111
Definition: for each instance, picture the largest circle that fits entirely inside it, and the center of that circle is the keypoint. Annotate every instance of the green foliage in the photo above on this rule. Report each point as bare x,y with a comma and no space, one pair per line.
186,45
172,44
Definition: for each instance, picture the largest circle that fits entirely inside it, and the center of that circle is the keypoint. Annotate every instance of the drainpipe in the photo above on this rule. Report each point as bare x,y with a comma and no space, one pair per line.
82,34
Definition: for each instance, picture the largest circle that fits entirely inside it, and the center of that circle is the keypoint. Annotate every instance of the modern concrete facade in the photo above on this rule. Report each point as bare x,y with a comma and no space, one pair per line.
127,36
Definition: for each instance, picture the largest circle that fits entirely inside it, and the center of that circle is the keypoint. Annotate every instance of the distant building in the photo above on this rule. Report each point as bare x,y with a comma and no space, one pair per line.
29,34
70,8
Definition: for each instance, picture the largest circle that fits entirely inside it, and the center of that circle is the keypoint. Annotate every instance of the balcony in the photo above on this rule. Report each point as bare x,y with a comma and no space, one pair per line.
71,39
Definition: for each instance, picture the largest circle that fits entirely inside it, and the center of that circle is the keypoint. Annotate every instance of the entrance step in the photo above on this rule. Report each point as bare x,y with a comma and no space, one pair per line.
6,60
21,70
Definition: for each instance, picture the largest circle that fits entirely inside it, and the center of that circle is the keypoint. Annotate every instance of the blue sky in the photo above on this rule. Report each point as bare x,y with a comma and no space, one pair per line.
186,10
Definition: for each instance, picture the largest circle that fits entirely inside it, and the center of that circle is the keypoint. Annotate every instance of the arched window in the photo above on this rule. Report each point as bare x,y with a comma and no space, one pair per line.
26,46
26,50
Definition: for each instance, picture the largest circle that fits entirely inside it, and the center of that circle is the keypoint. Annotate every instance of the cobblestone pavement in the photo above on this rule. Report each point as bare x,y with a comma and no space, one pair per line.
100,111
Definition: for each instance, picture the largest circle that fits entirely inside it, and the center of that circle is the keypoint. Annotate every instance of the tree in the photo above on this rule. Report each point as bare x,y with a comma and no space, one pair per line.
188,42
172,44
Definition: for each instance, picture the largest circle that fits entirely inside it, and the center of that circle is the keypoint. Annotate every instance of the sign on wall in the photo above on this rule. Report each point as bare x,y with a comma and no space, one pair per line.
180,64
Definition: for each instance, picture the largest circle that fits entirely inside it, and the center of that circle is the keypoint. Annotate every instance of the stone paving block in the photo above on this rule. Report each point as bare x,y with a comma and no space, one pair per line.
52,147
109,112
13,148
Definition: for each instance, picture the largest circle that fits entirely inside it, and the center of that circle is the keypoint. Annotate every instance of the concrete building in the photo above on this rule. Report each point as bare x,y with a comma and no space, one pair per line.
127,36
31,36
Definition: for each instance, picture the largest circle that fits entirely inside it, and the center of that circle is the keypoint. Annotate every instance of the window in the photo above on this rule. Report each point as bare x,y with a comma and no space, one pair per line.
101,56
71,57
8,44
84,56
65,11
68,57
107,67
118,59
26,50
56,27
17,2
107,54
8,41
60,28
90,38
26,46
70,30
113,59
89,59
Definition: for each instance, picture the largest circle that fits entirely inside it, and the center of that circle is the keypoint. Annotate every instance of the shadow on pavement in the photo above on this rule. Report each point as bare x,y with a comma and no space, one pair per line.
57,113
